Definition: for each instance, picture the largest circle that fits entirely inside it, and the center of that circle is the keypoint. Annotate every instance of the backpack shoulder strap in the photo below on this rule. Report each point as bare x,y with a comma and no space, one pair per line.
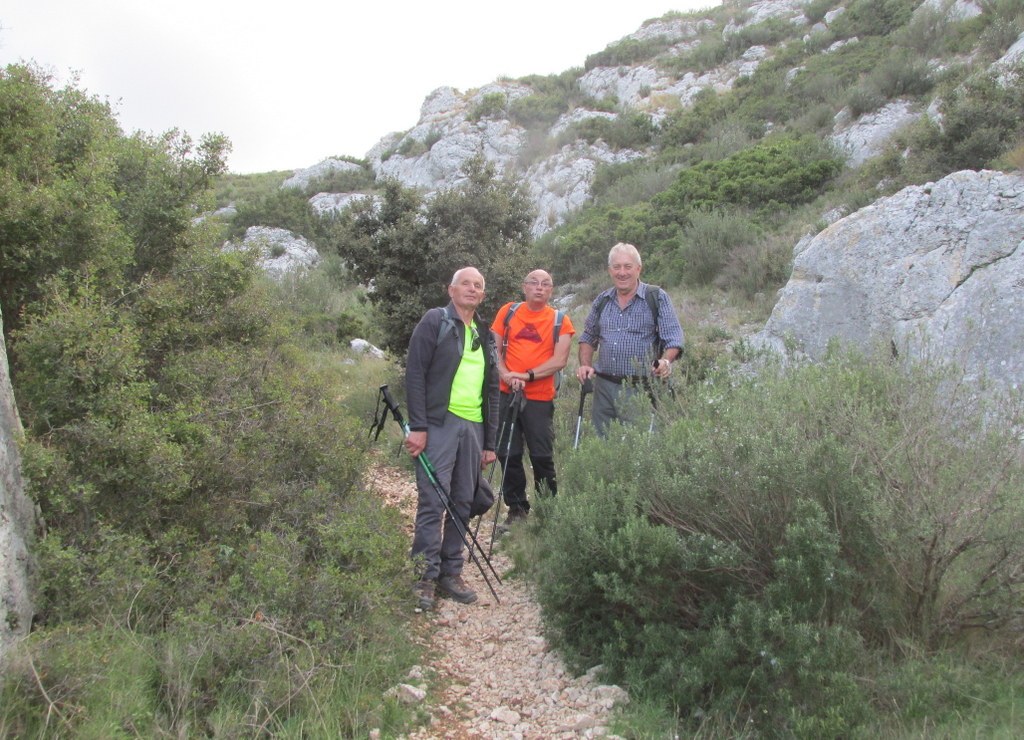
446,326
653,294
559,319
508,320
601,303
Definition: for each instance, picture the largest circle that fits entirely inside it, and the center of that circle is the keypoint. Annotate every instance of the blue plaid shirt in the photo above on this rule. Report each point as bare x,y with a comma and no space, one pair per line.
628,335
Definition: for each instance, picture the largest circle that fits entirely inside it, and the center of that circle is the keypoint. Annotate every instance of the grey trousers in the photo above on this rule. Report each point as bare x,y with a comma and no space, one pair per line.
614,402
454,449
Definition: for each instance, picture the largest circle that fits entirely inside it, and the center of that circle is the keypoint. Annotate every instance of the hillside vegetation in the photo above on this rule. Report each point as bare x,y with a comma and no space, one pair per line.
826,551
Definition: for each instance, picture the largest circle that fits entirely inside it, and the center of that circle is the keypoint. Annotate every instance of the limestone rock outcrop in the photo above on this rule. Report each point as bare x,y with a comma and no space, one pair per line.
934,271
280,251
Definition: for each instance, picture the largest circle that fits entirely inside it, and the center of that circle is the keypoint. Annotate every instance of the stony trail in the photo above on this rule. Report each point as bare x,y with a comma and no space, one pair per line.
491,673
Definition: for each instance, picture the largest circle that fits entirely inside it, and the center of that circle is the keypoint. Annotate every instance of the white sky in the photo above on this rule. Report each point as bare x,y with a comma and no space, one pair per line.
291,82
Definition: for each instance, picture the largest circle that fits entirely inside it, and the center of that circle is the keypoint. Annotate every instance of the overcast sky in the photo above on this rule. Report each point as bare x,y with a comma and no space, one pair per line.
294,81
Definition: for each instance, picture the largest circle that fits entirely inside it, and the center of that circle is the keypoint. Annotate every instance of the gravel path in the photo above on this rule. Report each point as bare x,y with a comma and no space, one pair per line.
491,672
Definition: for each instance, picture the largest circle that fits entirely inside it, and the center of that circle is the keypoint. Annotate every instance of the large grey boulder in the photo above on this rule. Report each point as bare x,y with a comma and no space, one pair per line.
935,271
17,523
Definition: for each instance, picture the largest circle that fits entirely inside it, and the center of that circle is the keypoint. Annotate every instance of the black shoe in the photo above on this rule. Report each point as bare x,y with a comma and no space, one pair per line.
516,515
455,588
424,591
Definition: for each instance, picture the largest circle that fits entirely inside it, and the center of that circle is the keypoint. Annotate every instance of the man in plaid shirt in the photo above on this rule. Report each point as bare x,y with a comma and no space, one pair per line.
632,344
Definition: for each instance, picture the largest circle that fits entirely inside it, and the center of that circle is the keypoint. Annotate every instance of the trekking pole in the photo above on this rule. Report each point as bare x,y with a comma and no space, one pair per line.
587,387
512,414
428,468
490,473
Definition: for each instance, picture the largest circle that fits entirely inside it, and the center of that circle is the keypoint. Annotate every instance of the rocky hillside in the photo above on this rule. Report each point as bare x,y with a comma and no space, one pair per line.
543,129
699,137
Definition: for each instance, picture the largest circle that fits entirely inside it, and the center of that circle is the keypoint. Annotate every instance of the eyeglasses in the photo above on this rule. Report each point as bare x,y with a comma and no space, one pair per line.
541,283
476,339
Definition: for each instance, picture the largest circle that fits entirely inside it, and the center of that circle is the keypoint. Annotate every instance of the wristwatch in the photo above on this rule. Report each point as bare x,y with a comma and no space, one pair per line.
530,373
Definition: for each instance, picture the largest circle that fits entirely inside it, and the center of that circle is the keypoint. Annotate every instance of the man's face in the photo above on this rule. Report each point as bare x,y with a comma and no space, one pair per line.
537,287
625,273
467,291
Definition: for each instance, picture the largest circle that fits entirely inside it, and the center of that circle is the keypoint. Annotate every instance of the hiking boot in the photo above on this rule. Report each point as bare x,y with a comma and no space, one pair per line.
455,588
516,515
424,591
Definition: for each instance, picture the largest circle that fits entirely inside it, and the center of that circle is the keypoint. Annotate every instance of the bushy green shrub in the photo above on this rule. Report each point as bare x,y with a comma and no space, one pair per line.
743,564
873,17
815,10
626,131
492,105
779,171
626,52
283,208
705,244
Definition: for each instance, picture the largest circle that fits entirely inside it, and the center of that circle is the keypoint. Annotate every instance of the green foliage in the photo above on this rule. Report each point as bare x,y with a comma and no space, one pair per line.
705,244
873,17
492,105
981,122
283,208
75,194
161,185
626,131
779,171
815,10
746,564
553,95
233,188
196,467
628,51
410,251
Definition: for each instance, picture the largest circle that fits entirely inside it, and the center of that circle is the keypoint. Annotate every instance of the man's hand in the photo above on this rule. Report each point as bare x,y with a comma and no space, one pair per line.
487,457
416,442
515,381
662,368
584,372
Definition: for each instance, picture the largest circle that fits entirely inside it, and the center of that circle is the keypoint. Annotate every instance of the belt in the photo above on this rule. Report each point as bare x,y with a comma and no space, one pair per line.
620,379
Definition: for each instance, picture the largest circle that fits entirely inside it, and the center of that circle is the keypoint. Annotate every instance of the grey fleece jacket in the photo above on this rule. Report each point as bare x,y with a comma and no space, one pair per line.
430,369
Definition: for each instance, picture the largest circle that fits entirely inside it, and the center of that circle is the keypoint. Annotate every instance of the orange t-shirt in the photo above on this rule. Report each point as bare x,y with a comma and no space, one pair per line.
531,342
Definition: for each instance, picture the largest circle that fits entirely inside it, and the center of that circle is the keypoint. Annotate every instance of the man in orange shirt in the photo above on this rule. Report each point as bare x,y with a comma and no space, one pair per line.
532,348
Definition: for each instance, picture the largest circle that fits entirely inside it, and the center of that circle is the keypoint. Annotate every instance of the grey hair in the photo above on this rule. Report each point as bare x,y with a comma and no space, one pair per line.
455,275
627,249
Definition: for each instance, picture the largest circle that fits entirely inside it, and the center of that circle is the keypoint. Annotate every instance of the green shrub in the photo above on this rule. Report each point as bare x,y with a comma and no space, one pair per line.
815,10
873,17
864,98
626,131
777,171
492,105
705,245
744,565
902,75
627,52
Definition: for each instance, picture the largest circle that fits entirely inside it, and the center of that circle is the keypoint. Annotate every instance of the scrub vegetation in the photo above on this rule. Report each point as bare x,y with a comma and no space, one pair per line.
829,551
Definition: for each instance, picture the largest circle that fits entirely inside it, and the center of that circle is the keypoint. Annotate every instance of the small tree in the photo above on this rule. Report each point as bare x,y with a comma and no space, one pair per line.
407,250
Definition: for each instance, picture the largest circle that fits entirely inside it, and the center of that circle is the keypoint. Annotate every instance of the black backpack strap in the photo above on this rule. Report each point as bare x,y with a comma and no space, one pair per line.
508,320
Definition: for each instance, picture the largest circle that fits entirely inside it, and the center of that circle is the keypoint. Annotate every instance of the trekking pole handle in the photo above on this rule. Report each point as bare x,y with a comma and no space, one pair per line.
392,405
588,387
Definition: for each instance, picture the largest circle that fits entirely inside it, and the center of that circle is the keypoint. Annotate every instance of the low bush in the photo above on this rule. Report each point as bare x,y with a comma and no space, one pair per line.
745,565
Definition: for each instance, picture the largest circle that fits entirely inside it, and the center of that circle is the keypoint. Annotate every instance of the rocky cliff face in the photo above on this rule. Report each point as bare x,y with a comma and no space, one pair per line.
17,522
932,272
450,130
